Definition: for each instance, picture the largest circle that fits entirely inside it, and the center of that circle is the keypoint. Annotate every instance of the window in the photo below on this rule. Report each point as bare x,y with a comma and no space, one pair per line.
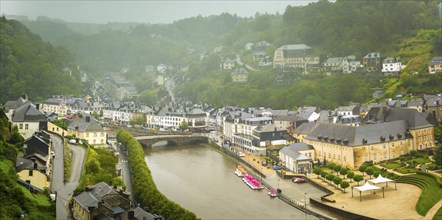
31,172
385,155
21,126
26,126
371,147
345,158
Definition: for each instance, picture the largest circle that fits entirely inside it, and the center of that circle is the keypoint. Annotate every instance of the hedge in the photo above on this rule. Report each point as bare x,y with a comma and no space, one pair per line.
144,188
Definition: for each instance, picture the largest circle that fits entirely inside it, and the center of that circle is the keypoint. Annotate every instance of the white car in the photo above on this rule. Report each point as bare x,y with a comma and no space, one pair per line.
72,141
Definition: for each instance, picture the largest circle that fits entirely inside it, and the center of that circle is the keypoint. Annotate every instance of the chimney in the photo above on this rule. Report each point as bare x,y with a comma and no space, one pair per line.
88,119
24,97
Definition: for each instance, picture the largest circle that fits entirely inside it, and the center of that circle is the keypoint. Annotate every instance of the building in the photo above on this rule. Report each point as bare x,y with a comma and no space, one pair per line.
239,75
32,175
56,105
372,62
297,157
227,64
435,65
28,119
391,66
295,56
101,201
87,128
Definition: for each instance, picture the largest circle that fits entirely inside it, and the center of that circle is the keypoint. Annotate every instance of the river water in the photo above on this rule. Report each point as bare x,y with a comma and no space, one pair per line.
202,179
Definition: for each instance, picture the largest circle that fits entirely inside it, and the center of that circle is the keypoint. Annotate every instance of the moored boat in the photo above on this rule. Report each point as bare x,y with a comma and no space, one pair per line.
252,182
272,193
240,171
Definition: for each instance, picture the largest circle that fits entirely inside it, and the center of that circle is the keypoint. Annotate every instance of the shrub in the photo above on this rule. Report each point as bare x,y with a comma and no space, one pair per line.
358,178
369,171
344,184
350,175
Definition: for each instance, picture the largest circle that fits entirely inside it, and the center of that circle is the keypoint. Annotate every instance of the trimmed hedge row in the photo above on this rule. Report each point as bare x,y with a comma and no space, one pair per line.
144,188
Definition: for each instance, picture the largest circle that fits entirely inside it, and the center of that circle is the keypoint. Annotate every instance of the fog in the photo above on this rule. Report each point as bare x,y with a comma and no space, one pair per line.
140,11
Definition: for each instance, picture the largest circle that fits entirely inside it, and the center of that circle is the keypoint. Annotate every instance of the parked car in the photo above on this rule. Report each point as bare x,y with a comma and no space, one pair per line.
72,141
299,180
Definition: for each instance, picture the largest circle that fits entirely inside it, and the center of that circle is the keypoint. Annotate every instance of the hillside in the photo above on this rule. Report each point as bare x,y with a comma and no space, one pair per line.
30,66
405,29
14,198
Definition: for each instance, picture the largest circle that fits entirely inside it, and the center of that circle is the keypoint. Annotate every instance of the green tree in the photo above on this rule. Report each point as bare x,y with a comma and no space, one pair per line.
438,156
350,175
344,185
343,171
330,177
337,168
184,126
138,120
358,178
362,168
337,181
323,174
317,171
369,171
61,123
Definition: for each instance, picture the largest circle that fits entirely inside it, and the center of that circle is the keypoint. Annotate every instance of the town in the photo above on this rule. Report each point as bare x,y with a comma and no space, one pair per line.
322,112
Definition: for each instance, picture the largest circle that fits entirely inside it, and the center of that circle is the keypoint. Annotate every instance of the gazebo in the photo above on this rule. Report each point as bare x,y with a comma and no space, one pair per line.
365,187
381,179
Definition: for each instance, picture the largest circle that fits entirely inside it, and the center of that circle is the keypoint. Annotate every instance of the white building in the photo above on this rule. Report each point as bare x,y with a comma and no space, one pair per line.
391,65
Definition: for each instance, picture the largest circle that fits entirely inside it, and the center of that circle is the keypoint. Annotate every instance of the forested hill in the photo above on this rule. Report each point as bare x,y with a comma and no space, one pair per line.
30,66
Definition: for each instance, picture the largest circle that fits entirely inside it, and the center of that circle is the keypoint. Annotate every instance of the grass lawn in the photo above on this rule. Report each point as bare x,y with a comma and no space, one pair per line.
392,165
431,192
419,160
406,170
438,214
5,165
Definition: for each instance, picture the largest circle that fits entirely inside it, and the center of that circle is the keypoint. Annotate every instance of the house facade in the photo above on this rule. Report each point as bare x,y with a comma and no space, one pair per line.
295,56
435,65
372,62
297,157
391,65
28,119
87,128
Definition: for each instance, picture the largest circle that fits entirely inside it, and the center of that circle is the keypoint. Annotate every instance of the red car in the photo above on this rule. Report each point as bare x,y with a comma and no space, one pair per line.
299,180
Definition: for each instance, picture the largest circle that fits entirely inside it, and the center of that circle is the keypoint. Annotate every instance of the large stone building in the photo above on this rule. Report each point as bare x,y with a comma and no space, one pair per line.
295,56
385,134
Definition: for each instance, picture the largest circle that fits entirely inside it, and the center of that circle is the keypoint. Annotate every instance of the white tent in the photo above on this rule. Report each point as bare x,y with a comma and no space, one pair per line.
380,179
365,187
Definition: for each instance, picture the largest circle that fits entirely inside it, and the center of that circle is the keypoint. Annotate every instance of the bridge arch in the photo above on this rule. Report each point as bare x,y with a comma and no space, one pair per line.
173,140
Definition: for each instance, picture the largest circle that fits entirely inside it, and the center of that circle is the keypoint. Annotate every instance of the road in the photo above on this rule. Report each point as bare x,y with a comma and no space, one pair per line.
125,173
64,191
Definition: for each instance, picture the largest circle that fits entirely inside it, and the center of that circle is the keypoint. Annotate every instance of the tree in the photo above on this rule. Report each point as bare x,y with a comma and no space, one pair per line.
317,171
358,178
138,120
337,180
61,123
350,175
362,168
344,184
330,177
438,156
343,171
331,165
184,126
323,174
337,168
369,171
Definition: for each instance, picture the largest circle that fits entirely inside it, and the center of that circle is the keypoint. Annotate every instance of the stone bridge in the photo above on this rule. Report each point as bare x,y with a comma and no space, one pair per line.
172,140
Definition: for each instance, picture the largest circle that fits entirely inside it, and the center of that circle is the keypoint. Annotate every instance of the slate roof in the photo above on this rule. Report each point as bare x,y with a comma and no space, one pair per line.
294,47
372,55
94,195
293,151
435,61
289,118
268,128
416,102
81,124
29,113
305,128
412,116
354,136
15,104
141,214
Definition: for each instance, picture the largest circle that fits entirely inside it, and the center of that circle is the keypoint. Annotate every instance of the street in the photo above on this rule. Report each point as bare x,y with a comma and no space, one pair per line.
64,192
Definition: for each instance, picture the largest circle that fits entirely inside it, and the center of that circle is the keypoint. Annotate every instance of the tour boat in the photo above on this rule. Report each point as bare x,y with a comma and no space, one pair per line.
240,171
252,182
272,193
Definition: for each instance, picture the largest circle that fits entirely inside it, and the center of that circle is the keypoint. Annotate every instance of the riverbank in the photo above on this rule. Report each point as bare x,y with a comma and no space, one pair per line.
371,206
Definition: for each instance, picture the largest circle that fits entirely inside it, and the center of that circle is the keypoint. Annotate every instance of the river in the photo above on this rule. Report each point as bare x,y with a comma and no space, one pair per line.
202,179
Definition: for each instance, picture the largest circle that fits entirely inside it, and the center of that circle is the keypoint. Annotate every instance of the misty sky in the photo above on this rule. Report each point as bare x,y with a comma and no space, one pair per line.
144,11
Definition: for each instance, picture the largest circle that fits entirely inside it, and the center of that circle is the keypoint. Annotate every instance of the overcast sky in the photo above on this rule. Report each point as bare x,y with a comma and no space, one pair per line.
144,11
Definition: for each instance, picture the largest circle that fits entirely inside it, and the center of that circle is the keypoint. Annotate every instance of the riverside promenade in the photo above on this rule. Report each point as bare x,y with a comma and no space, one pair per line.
372,206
